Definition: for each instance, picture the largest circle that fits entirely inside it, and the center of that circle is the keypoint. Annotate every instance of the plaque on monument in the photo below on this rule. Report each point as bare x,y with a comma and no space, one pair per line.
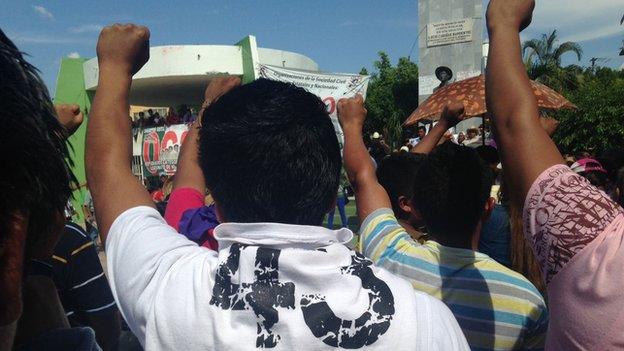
449,32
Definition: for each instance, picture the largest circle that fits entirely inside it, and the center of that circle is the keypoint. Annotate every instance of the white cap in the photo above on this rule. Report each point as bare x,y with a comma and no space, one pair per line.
376,135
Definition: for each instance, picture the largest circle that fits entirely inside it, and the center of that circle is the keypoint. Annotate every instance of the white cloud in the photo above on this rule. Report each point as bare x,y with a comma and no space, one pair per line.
34,38
578,20
86,28
73,54
43,12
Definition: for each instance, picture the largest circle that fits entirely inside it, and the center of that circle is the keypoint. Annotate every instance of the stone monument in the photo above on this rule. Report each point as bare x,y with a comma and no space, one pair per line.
451,35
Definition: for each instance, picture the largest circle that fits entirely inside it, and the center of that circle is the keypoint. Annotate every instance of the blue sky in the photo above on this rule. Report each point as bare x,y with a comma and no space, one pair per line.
341,36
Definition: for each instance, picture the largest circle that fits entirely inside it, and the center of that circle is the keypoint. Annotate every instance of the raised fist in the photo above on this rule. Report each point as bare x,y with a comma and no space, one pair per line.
351,112
452,114
70,116
516,14
123,47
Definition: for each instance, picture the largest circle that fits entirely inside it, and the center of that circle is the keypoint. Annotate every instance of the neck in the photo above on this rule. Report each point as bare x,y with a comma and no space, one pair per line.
411,230
469,242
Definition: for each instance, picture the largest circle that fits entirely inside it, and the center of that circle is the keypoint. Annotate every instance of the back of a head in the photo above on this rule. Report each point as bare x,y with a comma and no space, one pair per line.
451,189
488,154
269,153
37,182
597,179
397,174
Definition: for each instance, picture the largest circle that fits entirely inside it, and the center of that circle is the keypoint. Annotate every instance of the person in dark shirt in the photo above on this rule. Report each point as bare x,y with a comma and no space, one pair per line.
83,288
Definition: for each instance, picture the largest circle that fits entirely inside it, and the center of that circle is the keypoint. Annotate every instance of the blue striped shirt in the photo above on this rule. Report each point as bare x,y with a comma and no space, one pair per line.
497,308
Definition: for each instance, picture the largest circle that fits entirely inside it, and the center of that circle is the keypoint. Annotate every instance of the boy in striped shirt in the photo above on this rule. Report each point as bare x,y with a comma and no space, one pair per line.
497,308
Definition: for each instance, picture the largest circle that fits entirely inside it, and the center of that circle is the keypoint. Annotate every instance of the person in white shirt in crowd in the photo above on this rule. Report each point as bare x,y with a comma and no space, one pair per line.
473,139
270,157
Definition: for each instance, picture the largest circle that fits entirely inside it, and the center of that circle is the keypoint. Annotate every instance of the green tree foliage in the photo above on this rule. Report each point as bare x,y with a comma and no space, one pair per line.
542,58
598,124
392,95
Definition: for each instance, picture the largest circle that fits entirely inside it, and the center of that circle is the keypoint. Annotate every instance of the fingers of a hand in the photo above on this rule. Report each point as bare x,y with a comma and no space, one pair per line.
456,108
74,108
142,32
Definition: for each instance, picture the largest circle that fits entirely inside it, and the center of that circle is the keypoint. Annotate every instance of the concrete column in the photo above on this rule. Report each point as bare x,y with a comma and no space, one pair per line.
249,52
464,59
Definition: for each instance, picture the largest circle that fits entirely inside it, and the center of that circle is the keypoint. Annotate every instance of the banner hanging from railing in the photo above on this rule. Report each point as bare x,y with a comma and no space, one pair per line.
330,87
161,147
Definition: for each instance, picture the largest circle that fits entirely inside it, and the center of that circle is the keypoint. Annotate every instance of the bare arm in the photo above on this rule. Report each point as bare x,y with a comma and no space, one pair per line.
189,173
369,194
451,115
122,51
526,150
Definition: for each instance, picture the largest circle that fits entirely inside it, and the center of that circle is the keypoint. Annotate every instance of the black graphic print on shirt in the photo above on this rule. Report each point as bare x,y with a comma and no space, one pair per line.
266,294
263,296
352,334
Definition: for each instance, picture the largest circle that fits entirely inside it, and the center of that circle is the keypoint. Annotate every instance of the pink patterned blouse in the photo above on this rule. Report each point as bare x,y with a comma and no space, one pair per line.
576,232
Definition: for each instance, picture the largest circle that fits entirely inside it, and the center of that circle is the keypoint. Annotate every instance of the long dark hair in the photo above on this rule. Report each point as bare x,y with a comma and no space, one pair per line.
36,179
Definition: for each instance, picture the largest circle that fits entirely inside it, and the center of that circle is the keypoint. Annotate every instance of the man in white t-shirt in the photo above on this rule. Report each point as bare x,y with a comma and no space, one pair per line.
269,154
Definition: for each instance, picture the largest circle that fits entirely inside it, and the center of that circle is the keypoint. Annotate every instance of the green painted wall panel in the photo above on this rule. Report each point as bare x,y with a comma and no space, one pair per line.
70,89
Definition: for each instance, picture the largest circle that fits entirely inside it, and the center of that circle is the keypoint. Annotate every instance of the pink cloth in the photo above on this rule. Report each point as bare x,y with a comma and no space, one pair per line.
577,234
180,200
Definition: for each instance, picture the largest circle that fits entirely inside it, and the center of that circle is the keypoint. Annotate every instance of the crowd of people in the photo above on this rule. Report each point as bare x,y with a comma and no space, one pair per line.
482,247
184,115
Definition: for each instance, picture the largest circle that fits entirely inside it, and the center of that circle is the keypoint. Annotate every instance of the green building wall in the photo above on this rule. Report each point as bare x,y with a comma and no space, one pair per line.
70,89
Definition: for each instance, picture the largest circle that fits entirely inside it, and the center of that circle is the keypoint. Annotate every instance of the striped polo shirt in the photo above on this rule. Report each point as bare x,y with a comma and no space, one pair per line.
79,278
497,308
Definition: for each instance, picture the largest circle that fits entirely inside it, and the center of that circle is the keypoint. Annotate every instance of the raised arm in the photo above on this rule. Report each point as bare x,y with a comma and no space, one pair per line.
369,194
451,115
189,173
525,148
70,116
122,50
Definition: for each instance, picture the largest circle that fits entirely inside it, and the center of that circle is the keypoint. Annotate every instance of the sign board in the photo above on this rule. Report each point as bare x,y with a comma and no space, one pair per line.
330,87
161,148
449,32
426,84
466,74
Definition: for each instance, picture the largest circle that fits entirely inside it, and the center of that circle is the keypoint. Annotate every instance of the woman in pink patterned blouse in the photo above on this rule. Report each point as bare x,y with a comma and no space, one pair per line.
576,230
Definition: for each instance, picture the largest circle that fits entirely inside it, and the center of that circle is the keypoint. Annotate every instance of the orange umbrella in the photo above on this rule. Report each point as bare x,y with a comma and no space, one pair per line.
471,92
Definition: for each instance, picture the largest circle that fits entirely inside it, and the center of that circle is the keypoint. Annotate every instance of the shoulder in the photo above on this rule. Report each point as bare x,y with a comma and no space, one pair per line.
381,219
440,328
74,230
510,283
380,231
73,237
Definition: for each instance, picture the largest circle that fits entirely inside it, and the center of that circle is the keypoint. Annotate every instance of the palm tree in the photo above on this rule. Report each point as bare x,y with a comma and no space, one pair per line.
543,60
622,48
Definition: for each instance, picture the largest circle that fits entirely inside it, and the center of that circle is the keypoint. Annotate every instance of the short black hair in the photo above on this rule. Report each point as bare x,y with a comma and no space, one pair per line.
488,154
451,189
269,153
422,128
37,181
397,174
596,178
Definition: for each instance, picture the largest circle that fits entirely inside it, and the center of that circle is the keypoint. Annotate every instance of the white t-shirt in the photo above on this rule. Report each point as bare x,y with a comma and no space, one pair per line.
276,286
